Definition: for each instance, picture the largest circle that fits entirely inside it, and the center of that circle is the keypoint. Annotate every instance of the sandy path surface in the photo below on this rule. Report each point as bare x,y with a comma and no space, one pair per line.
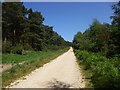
4,67
62,72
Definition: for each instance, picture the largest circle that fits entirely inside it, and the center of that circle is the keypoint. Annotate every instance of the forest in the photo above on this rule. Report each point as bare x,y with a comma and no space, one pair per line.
98,50
23,29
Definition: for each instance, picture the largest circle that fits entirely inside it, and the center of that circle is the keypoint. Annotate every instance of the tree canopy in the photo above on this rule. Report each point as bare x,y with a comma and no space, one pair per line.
99,37
23,29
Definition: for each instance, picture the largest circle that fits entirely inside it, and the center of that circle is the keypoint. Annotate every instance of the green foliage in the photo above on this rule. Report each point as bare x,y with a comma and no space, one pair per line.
6,46
98,50
13,20
24,28
18,49
105,72
98,38
106,75
94,39
102,38
27,47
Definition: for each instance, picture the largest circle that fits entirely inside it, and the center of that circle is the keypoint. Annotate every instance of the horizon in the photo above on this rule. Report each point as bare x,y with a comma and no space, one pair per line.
68,18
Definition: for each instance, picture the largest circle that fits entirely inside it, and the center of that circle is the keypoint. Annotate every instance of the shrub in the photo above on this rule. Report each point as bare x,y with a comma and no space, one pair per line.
105,75
105,72
27,47
6,47
18,49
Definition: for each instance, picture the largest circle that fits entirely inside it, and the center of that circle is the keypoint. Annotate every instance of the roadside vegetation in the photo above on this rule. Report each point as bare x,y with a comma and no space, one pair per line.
98,52
24,64
27,43
100,71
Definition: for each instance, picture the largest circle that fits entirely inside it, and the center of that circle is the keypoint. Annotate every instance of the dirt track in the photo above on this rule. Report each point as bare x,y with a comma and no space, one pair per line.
62,72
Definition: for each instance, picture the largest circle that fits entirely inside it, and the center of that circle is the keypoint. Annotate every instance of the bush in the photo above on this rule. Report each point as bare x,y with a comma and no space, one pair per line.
105,72
6,47
18,49
27,47
105,75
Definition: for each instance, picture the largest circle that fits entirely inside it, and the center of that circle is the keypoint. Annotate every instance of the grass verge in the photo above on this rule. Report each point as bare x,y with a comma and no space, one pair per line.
32,60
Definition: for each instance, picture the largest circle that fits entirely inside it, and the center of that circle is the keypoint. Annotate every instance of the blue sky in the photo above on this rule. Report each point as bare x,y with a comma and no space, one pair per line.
68,18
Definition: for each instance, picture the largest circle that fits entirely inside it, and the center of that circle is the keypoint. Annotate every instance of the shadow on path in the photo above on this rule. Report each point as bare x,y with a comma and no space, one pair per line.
58,84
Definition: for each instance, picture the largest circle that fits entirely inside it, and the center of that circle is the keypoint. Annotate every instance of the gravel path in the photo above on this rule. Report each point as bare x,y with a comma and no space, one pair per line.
62,72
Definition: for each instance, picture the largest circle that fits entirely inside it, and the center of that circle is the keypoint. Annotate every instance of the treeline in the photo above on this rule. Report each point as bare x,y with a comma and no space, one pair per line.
23,29
98,50
104,38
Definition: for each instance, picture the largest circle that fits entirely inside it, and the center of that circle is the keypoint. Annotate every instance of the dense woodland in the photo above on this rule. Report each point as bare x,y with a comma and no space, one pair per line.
23,29
98,49
104,38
